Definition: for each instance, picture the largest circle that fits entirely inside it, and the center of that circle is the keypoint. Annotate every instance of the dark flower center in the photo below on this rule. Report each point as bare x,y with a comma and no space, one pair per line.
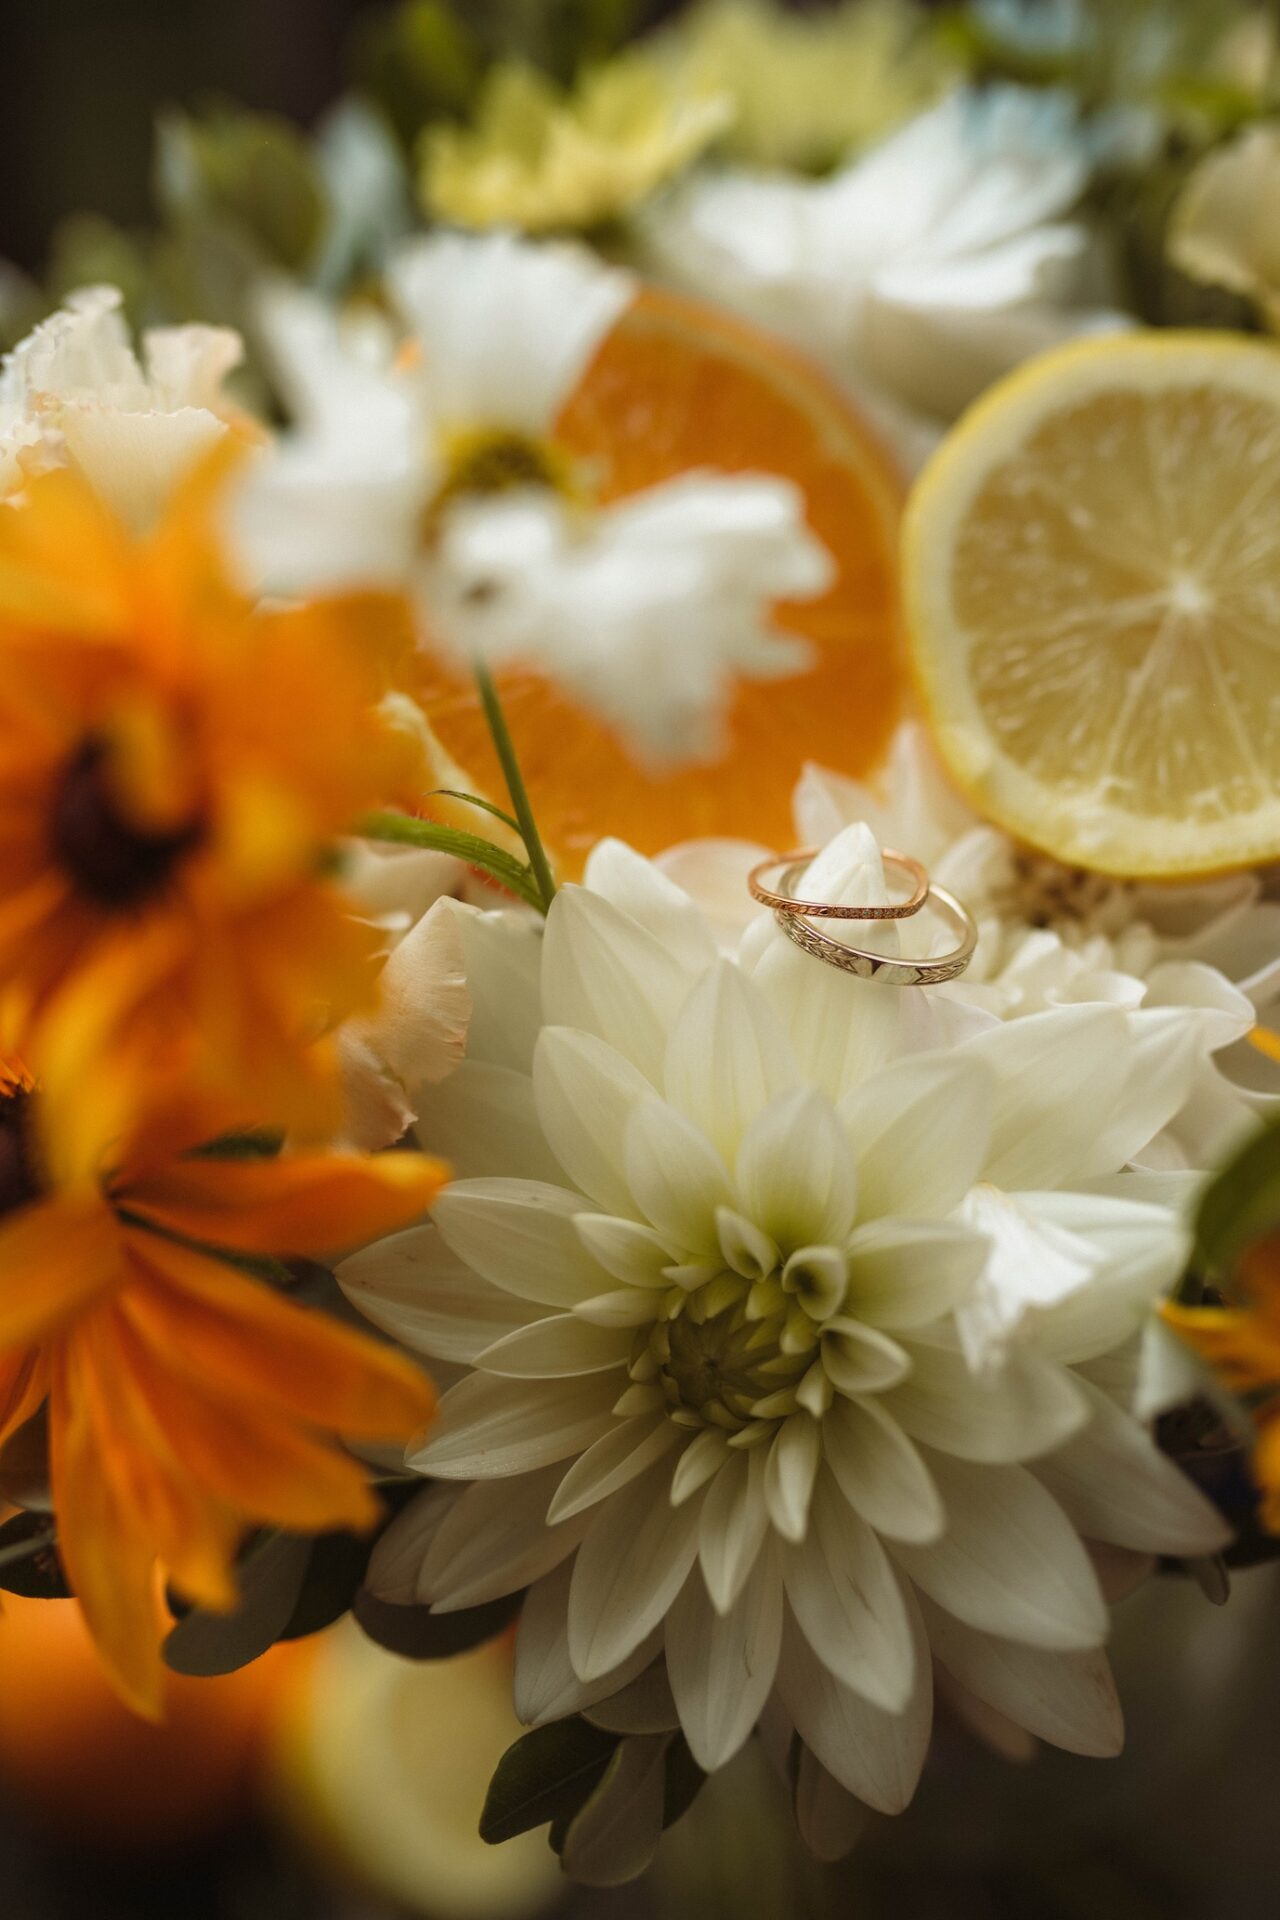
19,1178
113,863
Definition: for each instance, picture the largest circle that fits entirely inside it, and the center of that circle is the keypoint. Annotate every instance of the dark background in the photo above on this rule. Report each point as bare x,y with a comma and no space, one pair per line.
82,80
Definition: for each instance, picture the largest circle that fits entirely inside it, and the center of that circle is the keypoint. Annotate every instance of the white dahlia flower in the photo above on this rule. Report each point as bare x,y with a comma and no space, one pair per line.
799,1322
1201,959
427,459
74,393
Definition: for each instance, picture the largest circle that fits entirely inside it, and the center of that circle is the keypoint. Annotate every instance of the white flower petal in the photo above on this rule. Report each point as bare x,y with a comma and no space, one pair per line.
733,1526
847,1601
503,969
701,1460
629,1570
629,1449
1115,1485
1026,1408
493,1541
482,1121
1068,1699
519,1235
605,974
677,1177
722,1665
880,1472
544,1684
488,1428
561,1347
585,1092
506,326
796,1173
790,1472
1010,1562
651,897
646,1704
830,1820
876,1756
415,1289
919,1131
1057,1074
615,1835
860,1359
727,1057
627,1250
905,1273
395,1566
1142,1249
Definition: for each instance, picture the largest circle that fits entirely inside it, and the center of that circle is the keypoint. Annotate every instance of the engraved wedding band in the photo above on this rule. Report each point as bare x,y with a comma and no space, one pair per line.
795,916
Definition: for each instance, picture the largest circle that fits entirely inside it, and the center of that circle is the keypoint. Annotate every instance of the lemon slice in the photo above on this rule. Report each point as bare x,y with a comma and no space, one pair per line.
382,1769
1093,594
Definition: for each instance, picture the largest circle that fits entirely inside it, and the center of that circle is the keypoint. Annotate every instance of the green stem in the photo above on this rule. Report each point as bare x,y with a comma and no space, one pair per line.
539,865
404,829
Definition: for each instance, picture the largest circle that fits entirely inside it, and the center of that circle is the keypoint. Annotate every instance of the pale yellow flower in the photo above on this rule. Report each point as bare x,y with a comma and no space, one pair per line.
810,88
544,161
1226,226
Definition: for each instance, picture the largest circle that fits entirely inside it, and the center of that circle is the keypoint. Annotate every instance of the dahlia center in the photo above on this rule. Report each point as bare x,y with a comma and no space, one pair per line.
112,862
733,1354
19,1176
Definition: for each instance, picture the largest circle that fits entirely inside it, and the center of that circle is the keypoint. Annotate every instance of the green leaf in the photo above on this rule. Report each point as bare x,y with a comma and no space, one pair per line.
261,1143
421,62
271,1577
545,1777
415,1633
1240,1205
29,1563
404,829
474,800
252,171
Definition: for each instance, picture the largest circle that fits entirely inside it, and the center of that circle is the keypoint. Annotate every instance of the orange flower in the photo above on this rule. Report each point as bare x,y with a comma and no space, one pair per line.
187,1400
175,767
1242,1345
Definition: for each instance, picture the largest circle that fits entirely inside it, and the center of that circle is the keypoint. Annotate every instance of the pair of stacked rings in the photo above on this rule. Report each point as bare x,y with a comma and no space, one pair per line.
796,916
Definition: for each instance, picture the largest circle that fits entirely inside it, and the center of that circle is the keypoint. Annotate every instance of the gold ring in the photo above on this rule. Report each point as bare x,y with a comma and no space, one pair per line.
890,970
793,863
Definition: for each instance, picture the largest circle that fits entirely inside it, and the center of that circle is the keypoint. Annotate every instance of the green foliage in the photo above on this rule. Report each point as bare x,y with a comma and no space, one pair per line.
1239,1207
546,1777
251,173
416,1633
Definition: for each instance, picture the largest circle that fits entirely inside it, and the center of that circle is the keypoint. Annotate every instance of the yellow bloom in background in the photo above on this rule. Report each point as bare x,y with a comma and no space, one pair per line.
187,1401
808,89
1226,225
547,161
175,769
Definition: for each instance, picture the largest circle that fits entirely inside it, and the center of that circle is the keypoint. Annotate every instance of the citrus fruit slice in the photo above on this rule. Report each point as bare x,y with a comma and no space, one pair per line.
383,1769
1093,593
677,387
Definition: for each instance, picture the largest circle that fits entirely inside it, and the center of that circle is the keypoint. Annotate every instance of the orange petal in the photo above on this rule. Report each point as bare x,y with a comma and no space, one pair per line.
194,1537
301,1205
109,1564
24,1382
1240,1346
260,1463
54,1256
246,1342
65,564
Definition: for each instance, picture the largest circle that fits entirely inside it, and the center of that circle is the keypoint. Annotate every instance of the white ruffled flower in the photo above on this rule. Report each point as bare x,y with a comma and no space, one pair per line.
74,393
800,1321
1202,959
921,271
437,466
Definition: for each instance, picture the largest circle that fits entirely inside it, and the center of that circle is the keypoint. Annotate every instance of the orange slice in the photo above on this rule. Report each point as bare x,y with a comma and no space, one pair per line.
676,387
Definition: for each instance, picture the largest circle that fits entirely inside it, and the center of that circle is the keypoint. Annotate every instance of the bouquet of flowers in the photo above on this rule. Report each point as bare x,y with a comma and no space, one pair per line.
639,806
